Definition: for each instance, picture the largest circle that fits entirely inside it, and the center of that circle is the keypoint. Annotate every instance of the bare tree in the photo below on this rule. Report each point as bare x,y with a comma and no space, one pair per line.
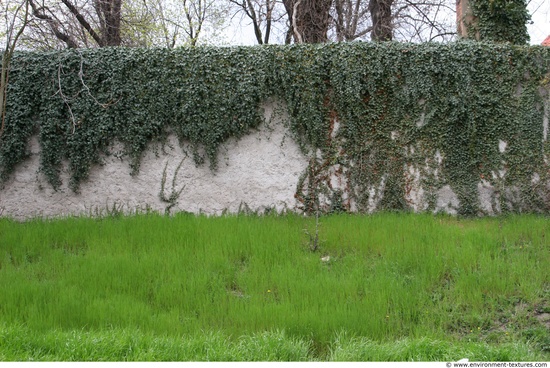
100,23
262,15
15,22
44,13
103,16
197,13
351,19
424,20
195,21
382,20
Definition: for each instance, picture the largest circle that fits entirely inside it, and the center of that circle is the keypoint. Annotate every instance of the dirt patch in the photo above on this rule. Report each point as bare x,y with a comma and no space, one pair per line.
544,319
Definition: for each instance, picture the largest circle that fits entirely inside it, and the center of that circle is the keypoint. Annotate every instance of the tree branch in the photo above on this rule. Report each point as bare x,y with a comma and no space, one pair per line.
83,22
54,25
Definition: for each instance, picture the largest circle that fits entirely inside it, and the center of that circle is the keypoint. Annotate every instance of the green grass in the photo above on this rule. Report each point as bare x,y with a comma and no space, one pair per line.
20,343
397,287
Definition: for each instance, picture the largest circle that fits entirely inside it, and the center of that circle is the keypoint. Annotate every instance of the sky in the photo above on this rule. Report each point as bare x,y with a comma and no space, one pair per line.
540,14
539,29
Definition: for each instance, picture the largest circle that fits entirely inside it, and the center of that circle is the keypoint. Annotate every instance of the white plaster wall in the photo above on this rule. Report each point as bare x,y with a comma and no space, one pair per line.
260,170
256,172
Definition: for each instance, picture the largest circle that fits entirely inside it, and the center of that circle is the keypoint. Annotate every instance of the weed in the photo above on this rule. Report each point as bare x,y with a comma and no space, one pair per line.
174,195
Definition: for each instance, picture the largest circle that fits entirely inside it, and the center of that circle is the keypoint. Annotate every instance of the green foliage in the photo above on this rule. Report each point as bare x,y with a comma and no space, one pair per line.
88,99
367,112
502,20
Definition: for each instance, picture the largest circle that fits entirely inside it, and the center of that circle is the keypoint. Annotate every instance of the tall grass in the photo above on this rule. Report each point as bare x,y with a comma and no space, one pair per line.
20,343
390,277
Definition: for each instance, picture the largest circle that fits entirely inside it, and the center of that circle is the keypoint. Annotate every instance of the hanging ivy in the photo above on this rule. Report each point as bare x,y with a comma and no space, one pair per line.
365,112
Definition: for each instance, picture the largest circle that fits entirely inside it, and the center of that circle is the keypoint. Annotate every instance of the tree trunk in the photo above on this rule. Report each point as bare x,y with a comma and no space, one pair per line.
309,19
466,22
110,15
380,11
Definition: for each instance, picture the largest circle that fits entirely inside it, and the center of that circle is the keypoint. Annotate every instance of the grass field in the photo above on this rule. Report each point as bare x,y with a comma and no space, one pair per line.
396,287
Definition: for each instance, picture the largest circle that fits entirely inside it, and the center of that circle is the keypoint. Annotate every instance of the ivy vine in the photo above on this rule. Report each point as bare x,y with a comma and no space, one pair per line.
365,112
501,20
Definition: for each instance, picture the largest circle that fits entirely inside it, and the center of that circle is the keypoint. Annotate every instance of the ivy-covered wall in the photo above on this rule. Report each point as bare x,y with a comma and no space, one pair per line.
255,173
384,125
